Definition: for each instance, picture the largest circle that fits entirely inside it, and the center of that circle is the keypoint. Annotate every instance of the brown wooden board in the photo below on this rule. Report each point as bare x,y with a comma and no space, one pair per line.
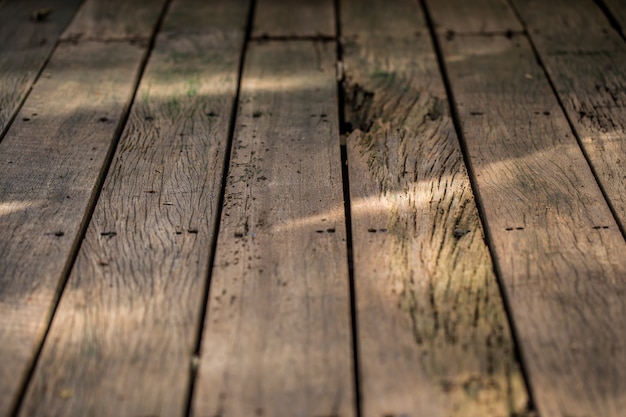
277,330
617,11
587,69
101,20
433,336
123,337
51,160
28,33
294,18
473,17
556,243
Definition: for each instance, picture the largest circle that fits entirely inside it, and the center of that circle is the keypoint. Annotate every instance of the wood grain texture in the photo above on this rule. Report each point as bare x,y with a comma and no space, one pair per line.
123,336
473,17
294,18
432,331
26,42
277,336
114,20
556,243
588,74
51,160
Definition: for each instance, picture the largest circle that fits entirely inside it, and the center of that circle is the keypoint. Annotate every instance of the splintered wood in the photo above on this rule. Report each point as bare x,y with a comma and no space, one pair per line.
432,332
280,208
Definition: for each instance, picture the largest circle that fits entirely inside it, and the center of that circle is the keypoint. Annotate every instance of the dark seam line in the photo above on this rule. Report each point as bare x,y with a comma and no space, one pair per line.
91,206
611,18
479,203
37,76
540,62
348,218
193,366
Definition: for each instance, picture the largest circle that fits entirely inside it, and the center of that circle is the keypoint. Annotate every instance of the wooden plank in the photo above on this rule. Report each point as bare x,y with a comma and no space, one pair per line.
557,246
100,20
617,10
473,17
294,18
28,33
587,70
432,331
133,302
52,159
277,336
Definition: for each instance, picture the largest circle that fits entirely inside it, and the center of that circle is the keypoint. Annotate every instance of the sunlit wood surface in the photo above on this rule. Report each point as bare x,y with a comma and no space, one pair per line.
377,208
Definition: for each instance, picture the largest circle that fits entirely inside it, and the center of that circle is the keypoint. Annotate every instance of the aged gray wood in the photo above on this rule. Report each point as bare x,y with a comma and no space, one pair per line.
100,20
432,331
28,33
473,17
52,160
558,248
587,69
294,18
277,336
123,336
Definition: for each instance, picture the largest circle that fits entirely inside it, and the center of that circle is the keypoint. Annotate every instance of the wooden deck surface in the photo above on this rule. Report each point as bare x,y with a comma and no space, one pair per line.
348,208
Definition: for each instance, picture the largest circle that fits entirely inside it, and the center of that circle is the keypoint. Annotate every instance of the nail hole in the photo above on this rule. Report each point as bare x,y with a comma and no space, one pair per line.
103,119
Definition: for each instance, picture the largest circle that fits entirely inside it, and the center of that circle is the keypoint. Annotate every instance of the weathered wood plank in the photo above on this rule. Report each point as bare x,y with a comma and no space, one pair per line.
587,69
557,246
294,18
28,33
277,337
432,331
473,17
100,20
133,303
617,11
52,160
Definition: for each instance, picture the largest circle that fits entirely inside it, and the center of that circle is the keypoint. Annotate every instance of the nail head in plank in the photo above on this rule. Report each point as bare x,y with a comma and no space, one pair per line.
294,18
132,303
562,274
277,331
28,34
51,160
590,80
432,331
